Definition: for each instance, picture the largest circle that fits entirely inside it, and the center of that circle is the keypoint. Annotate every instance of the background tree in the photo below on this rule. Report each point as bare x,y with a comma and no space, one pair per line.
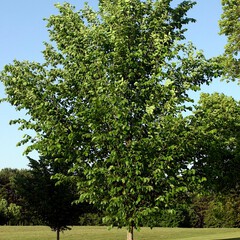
108,100
7,189
3,211
10,209
230,27
215,125
50,202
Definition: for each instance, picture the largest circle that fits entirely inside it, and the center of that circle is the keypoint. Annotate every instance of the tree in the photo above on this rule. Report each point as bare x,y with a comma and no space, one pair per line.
230,27
215,125
7,189
108,101
9,213
51,202
3,211
10,209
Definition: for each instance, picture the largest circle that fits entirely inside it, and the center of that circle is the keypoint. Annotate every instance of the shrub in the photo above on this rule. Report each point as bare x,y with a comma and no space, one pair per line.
90,219
223,211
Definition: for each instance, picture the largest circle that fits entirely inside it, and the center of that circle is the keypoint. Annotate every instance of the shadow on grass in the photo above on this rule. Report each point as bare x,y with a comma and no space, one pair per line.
229,239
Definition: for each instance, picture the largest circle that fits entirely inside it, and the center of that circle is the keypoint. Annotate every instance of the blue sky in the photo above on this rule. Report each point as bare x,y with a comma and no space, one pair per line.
23,31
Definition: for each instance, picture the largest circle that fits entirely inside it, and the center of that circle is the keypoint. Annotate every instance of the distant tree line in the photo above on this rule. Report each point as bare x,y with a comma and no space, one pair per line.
32,197
206,210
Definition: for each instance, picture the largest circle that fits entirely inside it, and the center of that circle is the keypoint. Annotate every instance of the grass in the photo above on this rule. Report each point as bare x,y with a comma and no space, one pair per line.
101,233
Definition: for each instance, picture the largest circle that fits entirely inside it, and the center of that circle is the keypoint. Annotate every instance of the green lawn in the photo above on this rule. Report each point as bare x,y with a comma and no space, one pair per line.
101,233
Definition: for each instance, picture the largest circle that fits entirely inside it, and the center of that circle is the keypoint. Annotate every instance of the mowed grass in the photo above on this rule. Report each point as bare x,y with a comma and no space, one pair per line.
102,233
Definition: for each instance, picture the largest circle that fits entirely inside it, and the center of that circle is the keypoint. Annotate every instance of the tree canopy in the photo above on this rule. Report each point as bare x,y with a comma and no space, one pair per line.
230,27
215,125
108,101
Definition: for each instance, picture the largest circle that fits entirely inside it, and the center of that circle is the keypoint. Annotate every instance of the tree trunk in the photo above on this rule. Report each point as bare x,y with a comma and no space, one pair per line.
58,234
130,233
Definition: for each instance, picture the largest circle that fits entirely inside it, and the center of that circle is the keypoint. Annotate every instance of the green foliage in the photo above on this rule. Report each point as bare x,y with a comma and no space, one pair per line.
49,201
216,133
10,208
197,210
3,211
218,215
91,219
230,27
107,102
14,214
168,218
10,214
223,211
7,188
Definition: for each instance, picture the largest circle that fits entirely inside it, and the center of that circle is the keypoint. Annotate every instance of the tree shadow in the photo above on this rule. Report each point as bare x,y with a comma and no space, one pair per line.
229,239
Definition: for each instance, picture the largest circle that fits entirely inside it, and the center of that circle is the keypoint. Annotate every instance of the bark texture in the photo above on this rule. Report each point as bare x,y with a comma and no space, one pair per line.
130,234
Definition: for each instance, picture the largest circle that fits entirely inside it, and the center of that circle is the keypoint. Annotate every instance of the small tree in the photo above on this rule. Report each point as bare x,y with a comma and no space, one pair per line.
3,211
50,201
9,213
108,102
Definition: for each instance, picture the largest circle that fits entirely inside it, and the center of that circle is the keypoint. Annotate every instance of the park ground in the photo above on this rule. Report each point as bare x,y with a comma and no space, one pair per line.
102,233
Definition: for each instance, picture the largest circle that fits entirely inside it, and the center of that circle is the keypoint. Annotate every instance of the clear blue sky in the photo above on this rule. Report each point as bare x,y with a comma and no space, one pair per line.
23,31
